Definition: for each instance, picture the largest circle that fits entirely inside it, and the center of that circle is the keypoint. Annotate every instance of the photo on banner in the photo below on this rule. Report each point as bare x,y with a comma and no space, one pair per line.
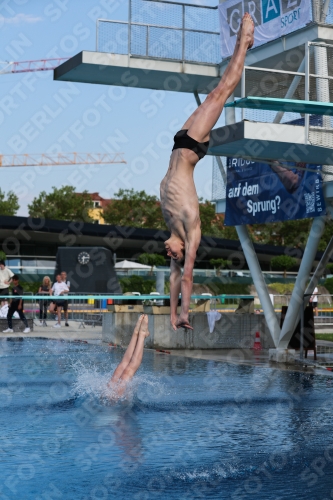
272,19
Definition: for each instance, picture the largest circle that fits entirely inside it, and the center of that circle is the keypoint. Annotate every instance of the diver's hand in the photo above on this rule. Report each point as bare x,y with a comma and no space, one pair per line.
183,322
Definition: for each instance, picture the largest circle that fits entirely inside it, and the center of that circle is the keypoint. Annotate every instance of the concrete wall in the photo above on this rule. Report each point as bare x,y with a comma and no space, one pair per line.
231,331
18,325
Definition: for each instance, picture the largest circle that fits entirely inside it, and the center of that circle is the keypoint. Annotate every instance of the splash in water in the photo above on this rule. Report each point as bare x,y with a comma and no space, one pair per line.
90,381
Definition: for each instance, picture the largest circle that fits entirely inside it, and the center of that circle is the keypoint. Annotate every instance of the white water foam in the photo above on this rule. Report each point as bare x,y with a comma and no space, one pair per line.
90,381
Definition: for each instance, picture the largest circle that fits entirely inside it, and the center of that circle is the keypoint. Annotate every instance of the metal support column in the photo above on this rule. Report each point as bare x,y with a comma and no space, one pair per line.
252,259
319,271
259,282
296,300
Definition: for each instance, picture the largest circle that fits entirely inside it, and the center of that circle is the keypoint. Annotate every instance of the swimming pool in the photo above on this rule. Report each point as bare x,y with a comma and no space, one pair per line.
193,429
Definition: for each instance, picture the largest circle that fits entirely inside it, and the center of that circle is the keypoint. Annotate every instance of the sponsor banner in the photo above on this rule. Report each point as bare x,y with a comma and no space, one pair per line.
259,193
272,19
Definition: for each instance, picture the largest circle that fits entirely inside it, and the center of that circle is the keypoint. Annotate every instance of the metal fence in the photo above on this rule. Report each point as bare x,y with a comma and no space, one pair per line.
163,30
88,310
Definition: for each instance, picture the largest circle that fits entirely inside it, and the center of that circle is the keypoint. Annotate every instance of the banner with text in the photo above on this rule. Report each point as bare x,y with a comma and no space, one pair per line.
260,193
272,19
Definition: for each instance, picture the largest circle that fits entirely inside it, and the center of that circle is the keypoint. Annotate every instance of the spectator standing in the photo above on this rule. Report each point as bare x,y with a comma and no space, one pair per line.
16,305
44,289
59,289
6,276
314,301
63,275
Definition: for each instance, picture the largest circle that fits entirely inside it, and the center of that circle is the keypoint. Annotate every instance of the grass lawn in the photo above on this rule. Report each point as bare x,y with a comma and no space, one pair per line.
324,336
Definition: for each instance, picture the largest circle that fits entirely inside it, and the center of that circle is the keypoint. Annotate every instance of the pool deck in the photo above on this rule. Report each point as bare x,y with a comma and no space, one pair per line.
71,333
249,357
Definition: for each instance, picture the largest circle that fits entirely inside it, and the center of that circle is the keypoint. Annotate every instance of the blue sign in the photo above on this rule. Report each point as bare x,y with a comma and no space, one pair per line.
259,193
270,10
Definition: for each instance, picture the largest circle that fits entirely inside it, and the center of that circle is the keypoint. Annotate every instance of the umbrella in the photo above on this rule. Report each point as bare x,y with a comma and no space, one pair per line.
127,264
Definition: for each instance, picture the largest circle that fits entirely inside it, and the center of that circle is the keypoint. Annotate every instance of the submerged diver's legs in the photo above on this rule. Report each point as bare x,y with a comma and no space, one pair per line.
128,354
136,359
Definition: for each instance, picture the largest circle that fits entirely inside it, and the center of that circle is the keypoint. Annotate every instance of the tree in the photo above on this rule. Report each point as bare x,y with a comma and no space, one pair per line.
329,266
212,224
328,284
8,203
134,208
137,284
283,263
152,259
62,204
220,264
293,233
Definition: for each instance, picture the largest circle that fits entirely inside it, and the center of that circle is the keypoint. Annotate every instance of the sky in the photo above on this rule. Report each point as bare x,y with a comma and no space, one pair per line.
81,117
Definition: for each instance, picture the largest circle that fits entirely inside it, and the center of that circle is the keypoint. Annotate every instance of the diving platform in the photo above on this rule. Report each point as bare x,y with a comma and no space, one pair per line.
264,141
285,105
138,72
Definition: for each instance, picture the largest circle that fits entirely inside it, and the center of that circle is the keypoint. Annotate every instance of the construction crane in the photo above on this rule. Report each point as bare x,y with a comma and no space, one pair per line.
42,160
27,66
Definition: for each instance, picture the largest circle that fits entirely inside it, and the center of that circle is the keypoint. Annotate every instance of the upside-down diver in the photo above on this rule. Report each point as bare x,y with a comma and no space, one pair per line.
179,200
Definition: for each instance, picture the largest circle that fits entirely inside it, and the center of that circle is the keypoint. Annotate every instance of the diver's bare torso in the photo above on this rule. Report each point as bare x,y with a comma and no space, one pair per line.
179,199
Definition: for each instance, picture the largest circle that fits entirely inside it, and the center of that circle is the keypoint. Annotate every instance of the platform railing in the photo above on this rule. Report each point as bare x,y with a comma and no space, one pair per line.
176,40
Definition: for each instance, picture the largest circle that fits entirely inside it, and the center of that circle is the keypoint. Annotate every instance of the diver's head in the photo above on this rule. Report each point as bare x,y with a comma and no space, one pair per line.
175,248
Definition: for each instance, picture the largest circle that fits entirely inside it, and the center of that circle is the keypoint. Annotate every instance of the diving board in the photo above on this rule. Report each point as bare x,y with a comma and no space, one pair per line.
285,105
263,141
138,72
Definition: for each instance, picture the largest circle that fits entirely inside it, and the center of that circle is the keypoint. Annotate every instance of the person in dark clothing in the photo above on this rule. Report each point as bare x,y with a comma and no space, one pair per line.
16,305
44,289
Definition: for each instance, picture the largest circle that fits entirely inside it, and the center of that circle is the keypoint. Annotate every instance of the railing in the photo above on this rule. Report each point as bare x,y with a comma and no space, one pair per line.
181,41
88,309
312,84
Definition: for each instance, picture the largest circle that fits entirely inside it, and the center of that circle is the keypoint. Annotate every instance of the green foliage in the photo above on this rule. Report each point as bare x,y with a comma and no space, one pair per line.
152,259
292,233
8,203
62,204
324,336
283,262
229,288
212,223
137,284
3,256
282,288
220,263
134,208
330,267
329,285
30,287
138,209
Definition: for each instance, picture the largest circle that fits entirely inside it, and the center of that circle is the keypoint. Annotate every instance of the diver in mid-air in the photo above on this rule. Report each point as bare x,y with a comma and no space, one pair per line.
179,200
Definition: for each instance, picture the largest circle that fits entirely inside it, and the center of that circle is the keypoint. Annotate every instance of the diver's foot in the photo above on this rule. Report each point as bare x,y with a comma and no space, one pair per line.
246,31
144,326
138,325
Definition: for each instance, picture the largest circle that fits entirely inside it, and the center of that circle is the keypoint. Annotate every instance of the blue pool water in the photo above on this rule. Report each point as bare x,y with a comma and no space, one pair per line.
192,429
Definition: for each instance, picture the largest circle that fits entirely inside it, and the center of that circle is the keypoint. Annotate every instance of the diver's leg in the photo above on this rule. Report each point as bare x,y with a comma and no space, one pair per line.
136,359
128,354
204,118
